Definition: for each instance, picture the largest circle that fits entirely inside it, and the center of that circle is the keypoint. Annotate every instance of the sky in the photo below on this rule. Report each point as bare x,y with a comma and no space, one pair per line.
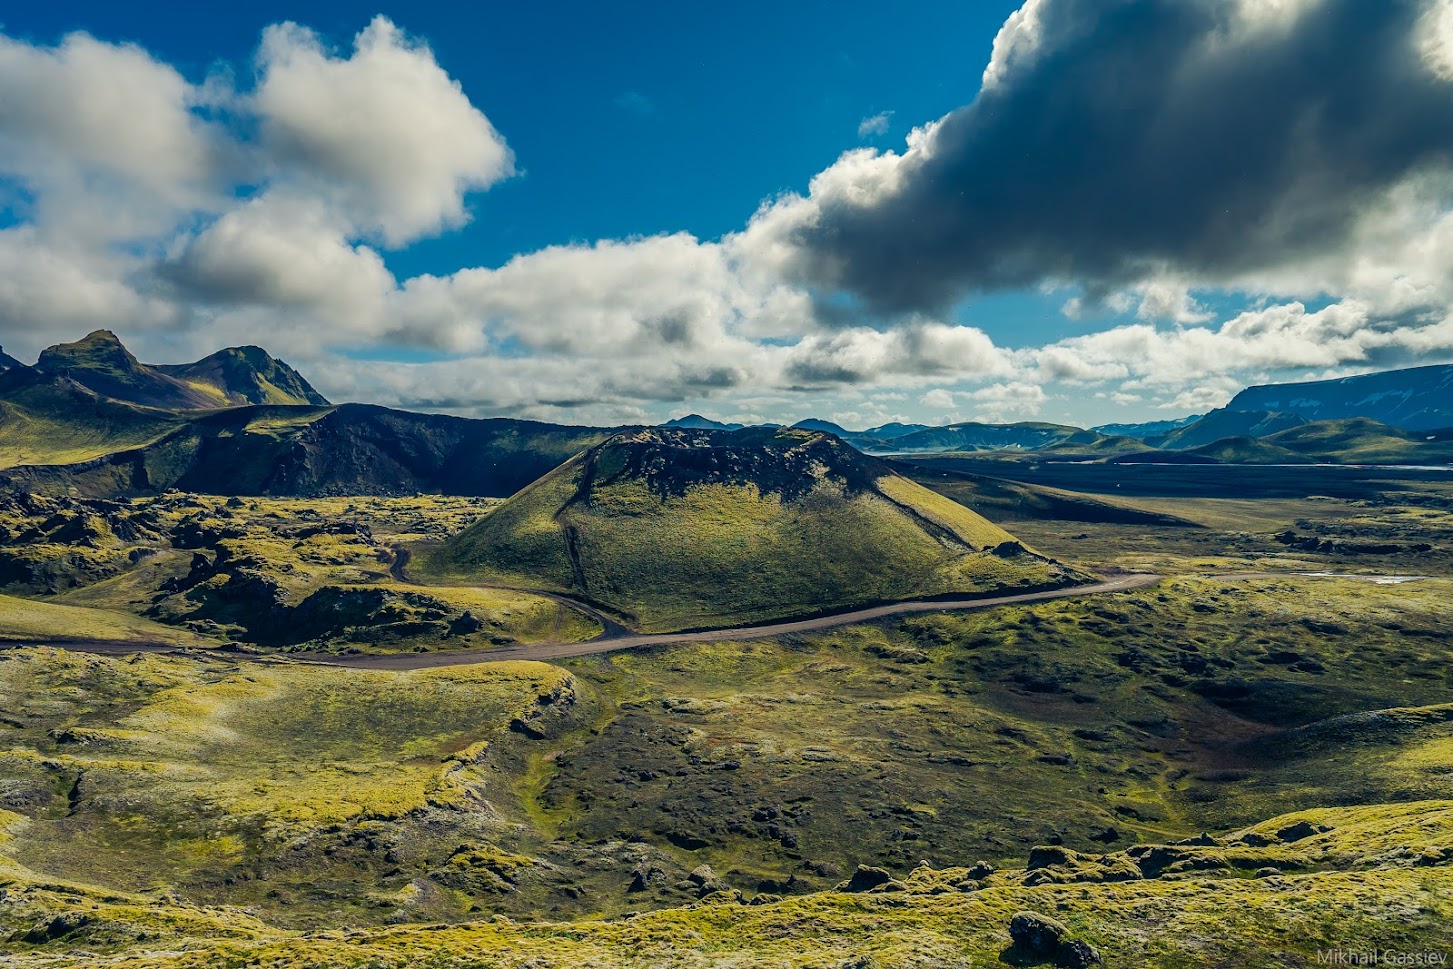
1080,211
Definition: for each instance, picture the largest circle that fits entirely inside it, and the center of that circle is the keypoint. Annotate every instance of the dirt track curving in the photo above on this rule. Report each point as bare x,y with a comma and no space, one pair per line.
610,643
615,638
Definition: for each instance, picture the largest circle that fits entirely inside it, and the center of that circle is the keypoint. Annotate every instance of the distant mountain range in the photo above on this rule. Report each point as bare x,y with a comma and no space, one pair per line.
1416,399
228,378
91,419
696,422
1145,430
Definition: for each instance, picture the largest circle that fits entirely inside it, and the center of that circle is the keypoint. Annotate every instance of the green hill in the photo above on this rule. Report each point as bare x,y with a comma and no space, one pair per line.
1248,450
247,375
228,378
679,529
1003,500
287,451
1364,441
52,420
1221,424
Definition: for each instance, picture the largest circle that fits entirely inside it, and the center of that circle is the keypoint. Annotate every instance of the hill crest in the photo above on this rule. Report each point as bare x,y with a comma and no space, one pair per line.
679,529
236,376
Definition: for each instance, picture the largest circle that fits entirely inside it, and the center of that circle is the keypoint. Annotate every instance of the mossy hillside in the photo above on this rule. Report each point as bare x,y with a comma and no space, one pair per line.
274,573
1204,914
26,620
312,795
934,711
237,375
1248,450
246,375
1402,528
752,758
104,366
1002,500
681,529
1135,716
1145,740
1363,441
51,420
153,772
298,450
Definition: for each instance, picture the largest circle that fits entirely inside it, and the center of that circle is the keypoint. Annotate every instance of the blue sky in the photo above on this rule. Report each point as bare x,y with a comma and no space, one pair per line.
626,119
580,235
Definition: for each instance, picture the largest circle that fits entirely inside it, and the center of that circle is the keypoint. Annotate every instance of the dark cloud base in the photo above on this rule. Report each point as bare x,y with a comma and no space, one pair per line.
1148,136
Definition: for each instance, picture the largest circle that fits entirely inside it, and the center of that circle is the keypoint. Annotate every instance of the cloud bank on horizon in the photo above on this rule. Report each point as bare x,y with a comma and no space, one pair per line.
1145,156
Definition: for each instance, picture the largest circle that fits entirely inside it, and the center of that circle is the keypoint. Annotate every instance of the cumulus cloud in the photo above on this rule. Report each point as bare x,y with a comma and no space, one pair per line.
201,211
925,349
1009,401
1116,143
386,131
938,399
1141,157
105,141
286,253
1275,338
45,289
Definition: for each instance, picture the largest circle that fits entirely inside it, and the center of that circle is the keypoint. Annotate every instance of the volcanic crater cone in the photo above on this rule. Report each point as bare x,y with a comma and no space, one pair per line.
678,528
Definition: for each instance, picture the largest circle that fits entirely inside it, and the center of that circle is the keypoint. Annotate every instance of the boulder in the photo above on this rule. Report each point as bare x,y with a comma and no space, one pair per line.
1037,934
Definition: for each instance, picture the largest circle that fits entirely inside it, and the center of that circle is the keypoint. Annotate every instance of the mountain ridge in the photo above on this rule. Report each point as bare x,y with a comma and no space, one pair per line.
235,376
1412,398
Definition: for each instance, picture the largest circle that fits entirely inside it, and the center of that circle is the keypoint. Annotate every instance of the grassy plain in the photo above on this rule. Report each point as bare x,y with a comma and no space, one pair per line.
709,804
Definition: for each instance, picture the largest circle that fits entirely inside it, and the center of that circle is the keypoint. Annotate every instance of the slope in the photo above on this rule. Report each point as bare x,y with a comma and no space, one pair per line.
1417,398
228,378
683,529
302,451
247,375
1246,450
53,420
1221,424
1365,441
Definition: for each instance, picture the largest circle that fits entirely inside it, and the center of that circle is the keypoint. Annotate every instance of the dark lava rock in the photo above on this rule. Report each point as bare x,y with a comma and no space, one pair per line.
1300,830
1045,856
1043,938
866,879
1076,954
57,928
1037,934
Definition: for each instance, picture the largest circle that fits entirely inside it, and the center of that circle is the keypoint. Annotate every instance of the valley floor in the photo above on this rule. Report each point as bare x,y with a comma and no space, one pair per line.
1243,765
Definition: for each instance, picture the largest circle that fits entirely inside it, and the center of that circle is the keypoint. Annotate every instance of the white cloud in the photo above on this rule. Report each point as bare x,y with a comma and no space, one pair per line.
938,399
285,253
1017,41
1213,361
104,139
386,131
1169,300
1009,401
46,292
189,227
875,124
908,354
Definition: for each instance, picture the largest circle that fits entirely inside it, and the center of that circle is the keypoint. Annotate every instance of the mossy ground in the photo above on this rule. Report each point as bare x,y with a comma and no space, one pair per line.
1211,915
204,812
275,573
